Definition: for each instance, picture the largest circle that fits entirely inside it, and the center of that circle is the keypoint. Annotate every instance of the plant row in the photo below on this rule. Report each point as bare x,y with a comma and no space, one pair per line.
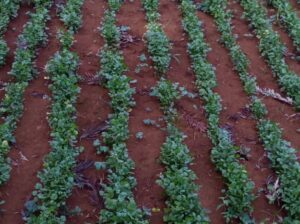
272,48
57,177
119,202
289,19
282,156
23,69
238,196
182,205
8,10
157,41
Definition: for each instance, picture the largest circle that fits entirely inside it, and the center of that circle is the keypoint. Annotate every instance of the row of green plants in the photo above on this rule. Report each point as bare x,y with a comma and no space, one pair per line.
178,180
157,41
238,196
57,177
279,151
119,201
23,70
182,204
8,10
272,48
289,19
70,14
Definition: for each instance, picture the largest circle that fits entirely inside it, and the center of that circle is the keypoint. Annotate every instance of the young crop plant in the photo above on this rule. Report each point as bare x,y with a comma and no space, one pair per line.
23,70
151,8
119,202
158,43
279,150
289,19
272,48
70,14
239,195
183,204
109,29
57,177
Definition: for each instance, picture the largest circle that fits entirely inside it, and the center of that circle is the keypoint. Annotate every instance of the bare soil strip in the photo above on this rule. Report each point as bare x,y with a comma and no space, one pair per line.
296,6
92,112
144,152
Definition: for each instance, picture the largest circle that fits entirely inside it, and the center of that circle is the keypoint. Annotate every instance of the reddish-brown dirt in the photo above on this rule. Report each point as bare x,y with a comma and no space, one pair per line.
11,35
92,109
278,112
32,136
295,6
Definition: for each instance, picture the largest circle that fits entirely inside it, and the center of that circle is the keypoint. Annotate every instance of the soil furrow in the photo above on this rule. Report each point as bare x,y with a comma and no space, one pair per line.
237,120
32,135
192,119
278,111
92,111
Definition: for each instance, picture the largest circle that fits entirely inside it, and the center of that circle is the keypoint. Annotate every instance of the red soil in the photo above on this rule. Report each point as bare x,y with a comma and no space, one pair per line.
32,136
295,5
93,108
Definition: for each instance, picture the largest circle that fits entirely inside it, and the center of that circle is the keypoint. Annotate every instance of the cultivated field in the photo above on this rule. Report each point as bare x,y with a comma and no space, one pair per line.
149,111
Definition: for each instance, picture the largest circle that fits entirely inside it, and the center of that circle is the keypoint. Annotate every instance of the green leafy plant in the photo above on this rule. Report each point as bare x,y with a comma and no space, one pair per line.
158,43
70,14
158,47
258,109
